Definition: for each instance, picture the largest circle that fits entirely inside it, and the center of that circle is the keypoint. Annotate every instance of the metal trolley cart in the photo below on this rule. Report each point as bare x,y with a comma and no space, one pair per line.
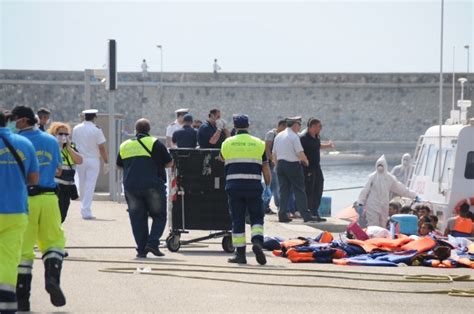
198,197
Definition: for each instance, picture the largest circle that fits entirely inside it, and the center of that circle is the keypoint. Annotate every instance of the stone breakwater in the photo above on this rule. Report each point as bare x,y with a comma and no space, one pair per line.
369,112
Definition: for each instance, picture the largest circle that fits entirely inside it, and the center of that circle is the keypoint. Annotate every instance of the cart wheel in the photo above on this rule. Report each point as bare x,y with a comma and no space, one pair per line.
172,243
227,244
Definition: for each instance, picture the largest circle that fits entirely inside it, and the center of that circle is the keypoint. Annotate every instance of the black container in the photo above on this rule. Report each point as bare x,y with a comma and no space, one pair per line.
200,176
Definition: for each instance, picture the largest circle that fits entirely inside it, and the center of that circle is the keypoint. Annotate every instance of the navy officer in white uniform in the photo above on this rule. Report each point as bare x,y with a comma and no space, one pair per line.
90,142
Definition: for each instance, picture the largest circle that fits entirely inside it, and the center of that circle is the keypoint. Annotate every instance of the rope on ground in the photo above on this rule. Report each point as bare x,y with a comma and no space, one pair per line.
344,189
270,268
156,272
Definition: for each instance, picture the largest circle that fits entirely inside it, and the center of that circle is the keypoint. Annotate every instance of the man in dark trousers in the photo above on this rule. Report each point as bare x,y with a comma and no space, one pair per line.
314,179
144,160
245,160
187,136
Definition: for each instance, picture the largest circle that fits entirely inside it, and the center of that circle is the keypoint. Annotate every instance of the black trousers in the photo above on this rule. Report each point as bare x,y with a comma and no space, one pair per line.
65,194
314,186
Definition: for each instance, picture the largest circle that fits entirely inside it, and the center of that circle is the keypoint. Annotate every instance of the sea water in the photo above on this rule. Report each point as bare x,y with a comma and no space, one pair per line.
347,178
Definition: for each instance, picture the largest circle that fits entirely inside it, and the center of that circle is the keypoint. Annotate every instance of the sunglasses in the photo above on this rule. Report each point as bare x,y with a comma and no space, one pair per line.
67,134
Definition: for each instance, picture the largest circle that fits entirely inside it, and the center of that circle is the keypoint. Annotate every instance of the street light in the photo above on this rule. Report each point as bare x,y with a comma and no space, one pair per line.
161,67
467,48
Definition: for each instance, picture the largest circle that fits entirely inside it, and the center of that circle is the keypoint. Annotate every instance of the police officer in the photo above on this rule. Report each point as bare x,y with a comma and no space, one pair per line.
44,219
175,126
144,159
245,160
13,206
187,136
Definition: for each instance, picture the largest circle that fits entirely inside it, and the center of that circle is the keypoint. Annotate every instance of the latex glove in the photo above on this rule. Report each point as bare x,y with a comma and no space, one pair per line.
106,168
417,199
220,124
224,123
360,209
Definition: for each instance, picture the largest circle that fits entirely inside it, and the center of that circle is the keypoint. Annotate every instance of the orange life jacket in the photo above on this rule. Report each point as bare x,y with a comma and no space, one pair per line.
420,245
463,225
326,237
381,243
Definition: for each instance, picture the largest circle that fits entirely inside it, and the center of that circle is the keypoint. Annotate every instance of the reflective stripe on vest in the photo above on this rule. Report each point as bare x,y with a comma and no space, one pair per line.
244,160
463,225
244,176
243,149
132,148
66,156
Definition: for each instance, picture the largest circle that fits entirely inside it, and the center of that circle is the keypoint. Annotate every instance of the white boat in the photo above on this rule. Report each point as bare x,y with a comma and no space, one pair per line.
457,163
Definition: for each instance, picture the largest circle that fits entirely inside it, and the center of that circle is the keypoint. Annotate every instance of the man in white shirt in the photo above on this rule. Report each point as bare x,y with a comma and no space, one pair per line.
288,155
175,126
144,70
216,68
90,142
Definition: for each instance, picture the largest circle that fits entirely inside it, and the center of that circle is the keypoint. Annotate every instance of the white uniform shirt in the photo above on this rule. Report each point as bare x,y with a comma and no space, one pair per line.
87,137
173,127
287,146
216,67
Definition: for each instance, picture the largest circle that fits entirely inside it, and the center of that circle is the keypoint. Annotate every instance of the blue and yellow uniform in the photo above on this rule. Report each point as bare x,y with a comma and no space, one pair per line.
13,211
144,184
244,155
44,222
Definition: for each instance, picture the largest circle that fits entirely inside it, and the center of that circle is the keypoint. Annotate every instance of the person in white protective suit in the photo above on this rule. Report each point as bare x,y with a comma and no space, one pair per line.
403,170
374,197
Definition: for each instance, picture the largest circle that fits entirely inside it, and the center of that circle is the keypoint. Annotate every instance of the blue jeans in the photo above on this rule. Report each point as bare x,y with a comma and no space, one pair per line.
266,196
141,204
274,186
291,178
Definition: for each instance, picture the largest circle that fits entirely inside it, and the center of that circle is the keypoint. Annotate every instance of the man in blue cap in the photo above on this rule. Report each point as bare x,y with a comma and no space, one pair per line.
245,160
187,136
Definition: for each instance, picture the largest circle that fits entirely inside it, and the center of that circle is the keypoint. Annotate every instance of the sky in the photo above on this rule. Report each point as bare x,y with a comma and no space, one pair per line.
245,36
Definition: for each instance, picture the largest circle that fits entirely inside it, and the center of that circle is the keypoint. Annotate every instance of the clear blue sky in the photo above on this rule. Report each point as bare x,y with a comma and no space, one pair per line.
267,36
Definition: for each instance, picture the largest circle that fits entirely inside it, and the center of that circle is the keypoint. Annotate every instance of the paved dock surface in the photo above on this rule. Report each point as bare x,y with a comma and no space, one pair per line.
107,242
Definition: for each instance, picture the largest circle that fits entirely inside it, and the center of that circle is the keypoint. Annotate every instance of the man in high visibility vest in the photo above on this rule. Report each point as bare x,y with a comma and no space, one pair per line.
44,219
144,160
245,160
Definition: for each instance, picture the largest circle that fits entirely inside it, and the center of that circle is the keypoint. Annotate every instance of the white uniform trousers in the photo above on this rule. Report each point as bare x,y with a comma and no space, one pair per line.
87,173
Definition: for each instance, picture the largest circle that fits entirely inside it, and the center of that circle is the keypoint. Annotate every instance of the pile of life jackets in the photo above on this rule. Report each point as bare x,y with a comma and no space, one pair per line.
422,251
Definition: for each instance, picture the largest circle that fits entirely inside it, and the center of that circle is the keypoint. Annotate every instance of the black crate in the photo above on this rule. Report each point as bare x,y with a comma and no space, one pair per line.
200,175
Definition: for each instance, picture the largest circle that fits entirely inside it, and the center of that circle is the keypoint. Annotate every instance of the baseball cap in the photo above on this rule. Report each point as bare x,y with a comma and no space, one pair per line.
241,121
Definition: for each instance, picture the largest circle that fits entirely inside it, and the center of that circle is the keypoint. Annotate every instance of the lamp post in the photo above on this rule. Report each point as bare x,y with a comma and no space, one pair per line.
467,48
161,66
440,94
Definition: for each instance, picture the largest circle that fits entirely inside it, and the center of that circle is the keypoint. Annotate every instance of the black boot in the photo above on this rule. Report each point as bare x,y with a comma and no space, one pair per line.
23,288
257,250
239,257
52,274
